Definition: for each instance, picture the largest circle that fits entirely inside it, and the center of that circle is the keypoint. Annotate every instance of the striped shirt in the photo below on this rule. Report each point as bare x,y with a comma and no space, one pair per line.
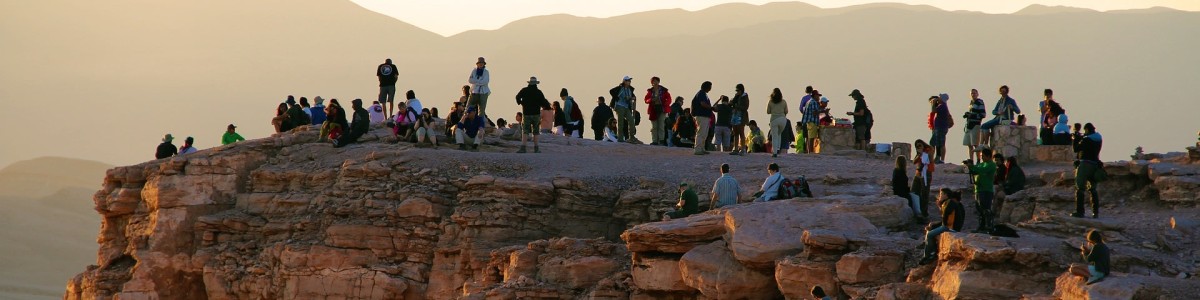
725,191
811,110
977,112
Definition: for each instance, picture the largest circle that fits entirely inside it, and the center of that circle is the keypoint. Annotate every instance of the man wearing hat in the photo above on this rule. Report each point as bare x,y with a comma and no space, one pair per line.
166,149
812,122
479,86
623,102
231,136
688,203
863,121
468,130
318,111
387,74
532,102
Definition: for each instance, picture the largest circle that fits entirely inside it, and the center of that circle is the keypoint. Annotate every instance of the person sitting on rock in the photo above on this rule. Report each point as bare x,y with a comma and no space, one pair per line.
1014,177
725,191
231,136
166,149
425,129
770,187
756,141
688,203
1088,168
610,132
405,121
187,146
818,293
952,220
468,130
685,129
1097,256
983,175
359,125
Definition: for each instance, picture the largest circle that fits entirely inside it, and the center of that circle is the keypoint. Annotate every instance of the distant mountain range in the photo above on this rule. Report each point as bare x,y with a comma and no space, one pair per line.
112,77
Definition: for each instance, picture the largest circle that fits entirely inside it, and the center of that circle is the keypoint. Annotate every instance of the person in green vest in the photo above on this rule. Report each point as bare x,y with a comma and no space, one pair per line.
231,136
688,203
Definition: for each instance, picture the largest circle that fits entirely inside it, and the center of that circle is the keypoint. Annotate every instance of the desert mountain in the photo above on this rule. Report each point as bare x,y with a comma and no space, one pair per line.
48,224
138,70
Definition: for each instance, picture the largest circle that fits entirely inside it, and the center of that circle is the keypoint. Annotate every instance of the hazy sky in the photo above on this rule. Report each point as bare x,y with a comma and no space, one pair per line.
449,17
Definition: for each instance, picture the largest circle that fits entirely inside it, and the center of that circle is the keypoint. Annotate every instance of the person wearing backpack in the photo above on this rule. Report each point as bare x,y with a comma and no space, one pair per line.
573,117
942,122
741,115
622,102
863,121
770,187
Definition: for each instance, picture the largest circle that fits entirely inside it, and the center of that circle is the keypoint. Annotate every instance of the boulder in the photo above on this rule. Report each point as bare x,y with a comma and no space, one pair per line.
761,233
1121,286
797,276
1178,189
871,266
712,270
676,235
658,274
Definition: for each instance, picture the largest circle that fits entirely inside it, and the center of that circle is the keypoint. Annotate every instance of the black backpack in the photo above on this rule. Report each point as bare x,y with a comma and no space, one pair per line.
1003,230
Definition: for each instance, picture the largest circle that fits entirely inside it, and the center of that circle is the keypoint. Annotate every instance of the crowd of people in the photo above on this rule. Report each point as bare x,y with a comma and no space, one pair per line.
709,126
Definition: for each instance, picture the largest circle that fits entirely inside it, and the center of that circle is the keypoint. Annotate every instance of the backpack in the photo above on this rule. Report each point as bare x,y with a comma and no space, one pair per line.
637,118
795,188
1003,230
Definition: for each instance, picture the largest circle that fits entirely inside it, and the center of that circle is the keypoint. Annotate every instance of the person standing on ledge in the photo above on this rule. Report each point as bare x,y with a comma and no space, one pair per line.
658,100
983,175
231,136
532,102
166,149
688,203
778,110
812,123
622,103
863,121
600,116
702,111
479,80
741,115
974,116
1088,169
725,191
387,74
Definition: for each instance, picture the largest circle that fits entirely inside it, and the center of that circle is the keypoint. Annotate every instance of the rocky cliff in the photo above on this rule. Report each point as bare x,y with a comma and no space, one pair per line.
287,218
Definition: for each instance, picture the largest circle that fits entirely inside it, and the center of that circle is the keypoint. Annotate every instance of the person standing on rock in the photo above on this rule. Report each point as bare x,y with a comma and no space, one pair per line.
560,119
952,220
1005,112
923,177
479,80
778,110
688,203
468,130
658,101
942,121
600,116
974,117
741,115
770,186
725,191
723,126
1089,170
166,148
983,175
900,181
812,123
231,136
702,112
1097,256
359,125
572,115
532,102
622,102
863,121
387,74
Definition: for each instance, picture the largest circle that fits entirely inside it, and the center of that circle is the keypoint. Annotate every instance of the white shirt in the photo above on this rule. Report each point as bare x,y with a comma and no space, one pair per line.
924,159
479,85
376,113
609,135
187,150
770,187
415,104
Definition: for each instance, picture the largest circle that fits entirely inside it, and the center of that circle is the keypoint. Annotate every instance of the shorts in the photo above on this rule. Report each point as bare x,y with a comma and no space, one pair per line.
813,131
532,125
971,136
862,132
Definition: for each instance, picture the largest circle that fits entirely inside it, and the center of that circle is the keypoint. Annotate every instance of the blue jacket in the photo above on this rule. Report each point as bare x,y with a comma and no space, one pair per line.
318,114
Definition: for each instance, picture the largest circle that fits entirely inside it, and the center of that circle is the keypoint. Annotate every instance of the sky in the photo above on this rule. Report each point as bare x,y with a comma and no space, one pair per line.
450,17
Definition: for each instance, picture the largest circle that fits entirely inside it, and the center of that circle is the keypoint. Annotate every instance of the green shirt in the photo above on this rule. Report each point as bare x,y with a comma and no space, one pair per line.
985,176
691,204
231,137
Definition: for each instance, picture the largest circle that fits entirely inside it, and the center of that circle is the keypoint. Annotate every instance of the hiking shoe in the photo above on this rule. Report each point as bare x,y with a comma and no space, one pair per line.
774,154
462,147
1076,215
522,150
733,153
535,150
475,147
1095,215
1095,280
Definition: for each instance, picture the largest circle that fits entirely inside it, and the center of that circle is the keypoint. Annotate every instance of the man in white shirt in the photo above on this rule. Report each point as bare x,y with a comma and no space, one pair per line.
413,102
770,187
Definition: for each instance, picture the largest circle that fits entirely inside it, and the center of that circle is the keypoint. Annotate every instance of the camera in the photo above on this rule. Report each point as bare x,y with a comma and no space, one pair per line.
967,162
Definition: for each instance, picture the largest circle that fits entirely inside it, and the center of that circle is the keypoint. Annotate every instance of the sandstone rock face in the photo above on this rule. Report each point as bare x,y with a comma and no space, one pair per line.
1015,141
1124,286
713,271
796,277
1053,153
834,139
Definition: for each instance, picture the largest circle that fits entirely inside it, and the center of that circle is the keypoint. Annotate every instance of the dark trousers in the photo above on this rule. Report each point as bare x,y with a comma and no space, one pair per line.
599,133
1085,182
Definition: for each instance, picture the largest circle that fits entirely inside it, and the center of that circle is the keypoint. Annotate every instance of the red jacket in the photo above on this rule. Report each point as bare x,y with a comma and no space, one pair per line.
663,108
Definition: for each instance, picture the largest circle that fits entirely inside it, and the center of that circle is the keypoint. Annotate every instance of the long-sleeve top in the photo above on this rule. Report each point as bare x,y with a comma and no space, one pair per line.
659,101
622,97
900,183
953,215
568,108
376,112
1088,147
725,192
318,114
811,112
701,106
942,118
1014,180
230,138
984,174
600,116
165,150
777,109
532,101
770,187
1098,257
1006,108
976,113
471,126
479,81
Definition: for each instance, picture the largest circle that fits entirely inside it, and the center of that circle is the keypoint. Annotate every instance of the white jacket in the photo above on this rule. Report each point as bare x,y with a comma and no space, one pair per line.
770,187
376,113
479,85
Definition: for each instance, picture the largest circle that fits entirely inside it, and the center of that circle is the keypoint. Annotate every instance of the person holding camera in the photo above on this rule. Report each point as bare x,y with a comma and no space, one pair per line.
983,175
1088,169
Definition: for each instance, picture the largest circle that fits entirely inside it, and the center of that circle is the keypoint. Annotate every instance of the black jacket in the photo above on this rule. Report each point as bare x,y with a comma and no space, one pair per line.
165,150
616,91
362,121
600,116
900,183
1088,147
532,101
953,215
1099,257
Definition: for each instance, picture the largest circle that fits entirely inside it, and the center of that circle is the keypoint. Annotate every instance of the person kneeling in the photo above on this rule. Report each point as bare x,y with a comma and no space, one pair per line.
953,215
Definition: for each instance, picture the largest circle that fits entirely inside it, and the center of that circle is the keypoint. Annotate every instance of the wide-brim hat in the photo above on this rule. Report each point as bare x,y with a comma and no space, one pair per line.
481,60
319,100
856,93
168,138
533,80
